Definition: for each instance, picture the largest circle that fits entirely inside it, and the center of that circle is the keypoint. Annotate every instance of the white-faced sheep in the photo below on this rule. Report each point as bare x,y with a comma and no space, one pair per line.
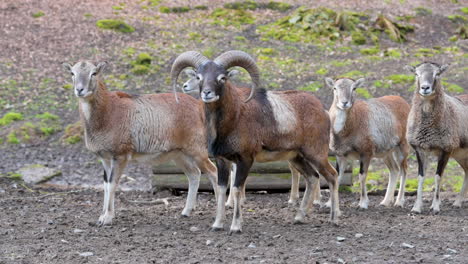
437,125
366,129
120,127
290,125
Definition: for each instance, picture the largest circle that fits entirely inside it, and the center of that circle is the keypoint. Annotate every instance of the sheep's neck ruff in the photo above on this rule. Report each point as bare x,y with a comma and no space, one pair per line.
222,117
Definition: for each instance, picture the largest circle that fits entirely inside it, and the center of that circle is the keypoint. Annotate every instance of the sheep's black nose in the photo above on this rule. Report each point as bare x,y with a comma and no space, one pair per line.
425,87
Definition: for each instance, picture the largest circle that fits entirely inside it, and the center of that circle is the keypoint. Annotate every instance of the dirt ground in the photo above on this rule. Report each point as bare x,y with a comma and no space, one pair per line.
50,225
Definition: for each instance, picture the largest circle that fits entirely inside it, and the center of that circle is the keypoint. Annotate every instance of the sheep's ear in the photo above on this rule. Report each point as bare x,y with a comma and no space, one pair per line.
330,82
190,73
100,67
67,67
442,68
233,73
410,68
358,83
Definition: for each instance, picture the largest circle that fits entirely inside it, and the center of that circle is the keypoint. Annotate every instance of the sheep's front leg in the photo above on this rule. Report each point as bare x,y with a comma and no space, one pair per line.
112,171
364,167
243,168
421,172
443,160
232,177
223,177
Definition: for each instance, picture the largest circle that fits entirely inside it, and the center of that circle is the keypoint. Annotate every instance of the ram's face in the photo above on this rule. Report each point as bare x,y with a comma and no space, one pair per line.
212,78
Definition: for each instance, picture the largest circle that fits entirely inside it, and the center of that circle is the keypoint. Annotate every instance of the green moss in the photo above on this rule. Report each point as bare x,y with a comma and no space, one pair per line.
358,38
453,38
464,10
194,36
140,69
116,25
242,5
457,18
209,52
321,71
227,17
451,87
67,86
279,6
240,38
47,131
400,78
337,63
119,7
10,117
47,116
14,176
422,11
38,14
363,92
313,87
12,139
353,74
315,25
200,7
462,32
73,139
88,15
178,9
426,52
394,53
143,59
370,51
266,51
129,51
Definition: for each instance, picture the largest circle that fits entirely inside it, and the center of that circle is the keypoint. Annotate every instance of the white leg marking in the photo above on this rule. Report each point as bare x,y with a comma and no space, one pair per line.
303,208
436,201
194,182
232,177
419,202
392,181
236,225
459,200
364,200
221,209
294,195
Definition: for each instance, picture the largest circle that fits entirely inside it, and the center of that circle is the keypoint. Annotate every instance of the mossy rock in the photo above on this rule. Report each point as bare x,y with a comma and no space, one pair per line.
394,53
321,71
116,25
457,18
358,38
278,6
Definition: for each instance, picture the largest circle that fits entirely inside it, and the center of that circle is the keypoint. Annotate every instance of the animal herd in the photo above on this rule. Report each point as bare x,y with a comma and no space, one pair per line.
238,126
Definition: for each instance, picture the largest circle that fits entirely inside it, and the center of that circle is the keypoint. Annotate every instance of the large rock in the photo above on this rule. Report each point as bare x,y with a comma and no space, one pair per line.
36,173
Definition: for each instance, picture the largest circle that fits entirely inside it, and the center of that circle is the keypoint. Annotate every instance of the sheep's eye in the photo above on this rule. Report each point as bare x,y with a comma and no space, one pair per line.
72,74
94,74
198,77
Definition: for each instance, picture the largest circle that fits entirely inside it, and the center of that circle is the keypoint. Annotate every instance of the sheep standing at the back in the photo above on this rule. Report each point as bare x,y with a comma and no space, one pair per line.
120,127
192,87
289,125
366,129
438,124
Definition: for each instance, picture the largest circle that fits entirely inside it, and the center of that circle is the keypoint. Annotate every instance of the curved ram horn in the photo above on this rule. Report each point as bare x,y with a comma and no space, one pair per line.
186,59
239,58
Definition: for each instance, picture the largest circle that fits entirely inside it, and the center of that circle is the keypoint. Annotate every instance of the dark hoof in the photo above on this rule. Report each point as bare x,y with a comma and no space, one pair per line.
234,232
298,222
216,229
184,216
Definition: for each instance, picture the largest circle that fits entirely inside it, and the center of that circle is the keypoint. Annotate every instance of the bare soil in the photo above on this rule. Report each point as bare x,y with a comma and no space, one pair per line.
50,225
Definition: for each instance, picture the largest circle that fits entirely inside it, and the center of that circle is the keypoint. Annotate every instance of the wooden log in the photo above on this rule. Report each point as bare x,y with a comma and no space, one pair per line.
271,176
